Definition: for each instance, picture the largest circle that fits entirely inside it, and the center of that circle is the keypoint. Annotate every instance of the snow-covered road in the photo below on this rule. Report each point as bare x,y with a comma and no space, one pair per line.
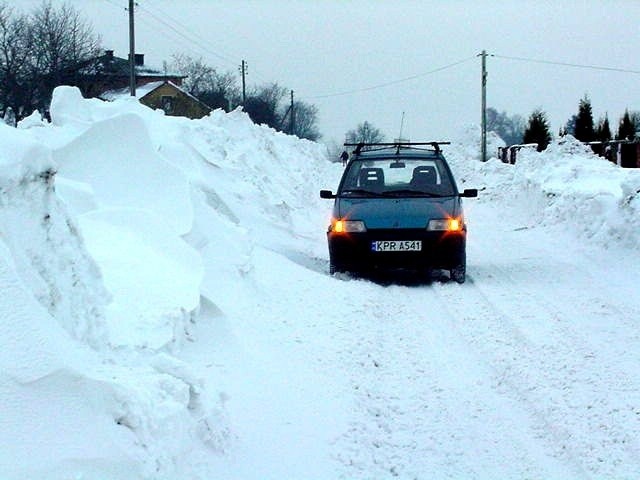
177,270
529,370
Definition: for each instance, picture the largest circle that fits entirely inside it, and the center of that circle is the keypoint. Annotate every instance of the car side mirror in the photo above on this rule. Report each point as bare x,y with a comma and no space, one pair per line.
326,194
470,193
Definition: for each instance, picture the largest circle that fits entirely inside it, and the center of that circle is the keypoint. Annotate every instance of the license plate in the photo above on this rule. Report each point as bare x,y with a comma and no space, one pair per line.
396,246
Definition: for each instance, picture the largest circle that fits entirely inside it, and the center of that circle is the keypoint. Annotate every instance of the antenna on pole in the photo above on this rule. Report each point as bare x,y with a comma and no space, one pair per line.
401,127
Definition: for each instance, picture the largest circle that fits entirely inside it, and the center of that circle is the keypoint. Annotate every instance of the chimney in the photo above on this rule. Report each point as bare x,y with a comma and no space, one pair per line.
108,54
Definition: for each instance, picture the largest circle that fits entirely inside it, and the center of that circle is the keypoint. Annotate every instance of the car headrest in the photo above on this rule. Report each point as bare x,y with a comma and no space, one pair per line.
424,175
371,177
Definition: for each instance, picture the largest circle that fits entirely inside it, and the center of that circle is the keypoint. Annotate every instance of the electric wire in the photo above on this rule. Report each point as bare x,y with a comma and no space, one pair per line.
196,39
183,27
565,64
115,4
186,37
393,82
193,39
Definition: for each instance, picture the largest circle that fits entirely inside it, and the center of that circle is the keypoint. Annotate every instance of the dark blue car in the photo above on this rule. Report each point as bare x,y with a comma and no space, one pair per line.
398,207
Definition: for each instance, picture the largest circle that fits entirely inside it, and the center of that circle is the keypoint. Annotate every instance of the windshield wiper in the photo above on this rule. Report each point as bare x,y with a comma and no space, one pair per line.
359,191
407,191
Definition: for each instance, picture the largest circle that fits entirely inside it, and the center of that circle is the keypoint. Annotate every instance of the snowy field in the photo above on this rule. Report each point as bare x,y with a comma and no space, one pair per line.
167,313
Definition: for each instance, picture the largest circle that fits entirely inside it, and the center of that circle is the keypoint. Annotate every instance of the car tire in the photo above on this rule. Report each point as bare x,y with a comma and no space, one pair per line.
458,274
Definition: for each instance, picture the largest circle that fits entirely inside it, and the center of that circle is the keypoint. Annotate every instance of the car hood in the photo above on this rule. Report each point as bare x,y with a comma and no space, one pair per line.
414,212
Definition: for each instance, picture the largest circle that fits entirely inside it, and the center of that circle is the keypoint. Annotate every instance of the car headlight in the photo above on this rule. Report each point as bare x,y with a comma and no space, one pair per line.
348,226
445,225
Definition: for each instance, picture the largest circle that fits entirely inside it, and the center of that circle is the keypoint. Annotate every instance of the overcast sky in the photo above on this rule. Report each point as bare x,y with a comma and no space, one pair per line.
324,48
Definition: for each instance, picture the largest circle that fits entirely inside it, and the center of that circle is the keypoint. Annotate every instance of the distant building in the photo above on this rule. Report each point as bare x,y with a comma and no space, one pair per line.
166,96
108,73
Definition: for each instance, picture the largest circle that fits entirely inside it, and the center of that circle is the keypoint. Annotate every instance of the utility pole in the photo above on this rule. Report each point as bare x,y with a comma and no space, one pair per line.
483,121
292,127
243,71
132,51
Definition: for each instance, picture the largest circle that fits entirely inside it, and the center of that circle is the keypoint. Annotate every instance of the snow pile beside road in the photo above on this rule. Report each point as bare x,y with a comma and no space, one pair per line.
118,227
565,184
45,247
133,207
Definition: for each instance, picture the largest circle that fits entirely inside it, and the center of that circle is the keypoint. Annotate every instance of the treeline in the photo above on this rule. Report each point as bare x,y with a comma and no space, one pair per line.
266,104
515,130
38,51
50,46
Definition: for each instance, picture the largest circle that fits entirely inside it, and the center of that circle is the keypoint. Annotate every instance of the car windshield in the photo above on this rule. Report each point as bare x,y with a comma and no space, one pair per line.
397,177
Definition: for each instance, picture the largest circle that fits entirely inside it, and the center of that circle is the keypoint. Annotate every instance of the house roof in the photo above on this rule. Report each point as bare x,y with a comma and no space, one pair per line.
144,90
111,66
141,91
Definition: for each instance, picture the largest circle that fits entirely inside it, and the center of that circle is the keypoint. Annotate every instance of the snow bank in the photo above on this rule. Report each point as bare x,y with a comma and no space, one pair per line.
117,225
51,307
565,184
133,208
44,242
244,181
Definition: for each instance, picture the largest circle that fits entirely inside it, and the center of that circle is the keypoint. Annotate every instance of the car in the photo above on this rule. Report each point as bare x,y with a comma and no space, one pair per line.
398,207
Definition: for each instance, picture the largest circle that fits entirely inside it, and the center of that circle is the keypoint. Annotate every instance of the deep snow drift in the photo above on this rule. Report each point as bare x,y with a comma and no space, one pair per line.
166,309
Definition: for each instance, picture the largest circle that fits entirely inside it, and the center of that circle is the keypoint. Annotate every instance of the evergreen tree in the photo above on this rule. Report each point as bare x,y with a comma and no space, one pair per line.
537,130
603,130
626,128
584,130
570,126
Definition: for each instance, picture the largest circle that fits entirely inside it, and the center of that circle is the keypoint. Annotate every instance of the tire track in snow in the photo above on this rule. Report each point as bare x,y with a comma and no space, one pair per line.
571,360
425,405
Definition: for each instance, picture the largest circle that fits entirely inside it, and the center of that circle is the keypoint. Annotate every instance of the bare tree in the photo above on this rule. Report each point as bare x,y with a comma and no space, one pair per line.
306,121
61,41
199,76
364,132
509,128
14,60
262,105
204,82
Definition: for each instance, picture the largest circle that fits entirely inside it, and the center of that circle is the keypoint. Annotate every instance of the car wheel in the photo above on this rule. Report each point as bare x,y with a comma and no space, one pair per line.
333,269
458,274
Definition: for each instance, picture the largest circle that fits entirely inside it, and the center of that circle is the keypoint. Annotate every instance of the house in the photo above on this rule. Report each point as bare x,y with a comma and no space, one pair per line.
110,73
167,96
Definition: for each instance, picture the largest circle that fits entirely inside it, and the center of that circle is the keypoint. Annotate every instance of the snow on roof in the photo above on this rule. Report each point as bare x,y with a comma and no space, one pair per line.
141,91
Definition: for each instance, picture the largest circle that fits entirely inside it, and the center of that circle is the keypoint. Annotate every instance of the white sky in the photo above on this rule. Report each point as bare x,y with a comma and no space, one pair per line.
324,47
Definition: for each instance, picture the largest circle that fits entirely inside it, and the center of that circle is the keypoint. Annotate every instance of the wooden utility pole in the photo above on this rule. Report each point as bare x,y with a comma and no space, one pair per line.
483,122
243,71
132,51
292,127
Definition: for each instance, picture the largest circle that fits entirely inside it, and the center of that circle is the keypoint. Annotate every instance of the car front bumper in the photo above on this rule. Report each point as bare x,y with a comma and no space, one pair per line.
354,252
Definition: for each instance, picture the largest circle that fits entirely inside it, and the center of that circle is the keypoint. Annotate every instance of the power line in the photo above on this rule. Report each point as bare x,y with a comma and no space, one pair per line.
184,27
191,40
565,64
115,4
394,82
186,37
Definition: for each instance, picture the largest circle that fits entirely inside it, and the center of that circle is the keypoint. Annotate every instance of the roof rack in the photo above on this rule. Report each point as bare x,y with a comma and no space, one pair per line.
398,145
